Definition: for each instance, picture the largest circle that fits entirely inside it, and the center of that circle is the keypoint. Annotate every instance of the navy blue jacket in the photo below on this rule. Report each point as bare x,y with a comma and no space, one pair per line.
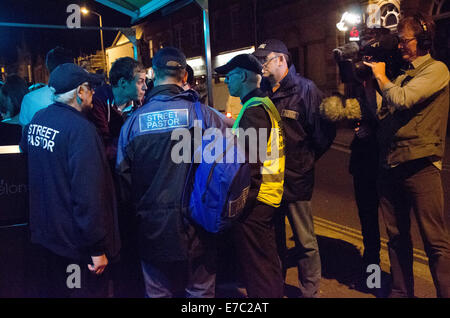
157,183
72,199
308,135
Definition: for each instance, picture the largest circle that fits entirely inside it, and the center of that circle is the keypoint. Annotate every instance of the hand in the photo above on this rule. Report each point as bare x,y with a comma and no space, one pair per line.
378,68
379,71
362,131
99,262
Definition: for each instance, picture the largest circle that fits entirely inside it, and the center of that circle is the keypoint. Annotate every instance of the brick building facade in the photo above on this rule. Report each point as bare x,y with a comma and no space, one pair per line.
308,27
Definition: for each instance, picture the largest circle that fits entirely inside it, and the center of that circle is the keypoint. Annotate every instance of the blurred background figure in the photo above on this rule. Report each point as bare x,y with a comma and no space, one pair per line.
40,98
11,96
190,80
35,86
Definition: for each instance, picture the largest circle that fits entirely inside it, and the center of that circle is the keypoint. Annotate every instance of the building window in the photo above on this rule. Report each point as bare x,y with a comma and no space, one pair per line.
440,7
221,25
177,36
390,16
235,21
150,47
195,32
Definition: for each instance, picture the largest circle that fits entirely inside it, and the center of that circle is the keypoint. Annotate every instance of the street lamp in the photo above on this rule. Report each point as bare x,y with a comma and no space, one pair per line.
85,11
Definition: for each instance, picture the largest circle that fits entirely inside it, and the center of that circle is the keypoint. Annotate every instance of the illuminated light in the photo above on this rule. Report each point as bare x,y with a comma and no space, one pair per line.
223,58
348,19
341,26
354,34
9,149
84,10
195,62
228,114
352,18
198,65
3,70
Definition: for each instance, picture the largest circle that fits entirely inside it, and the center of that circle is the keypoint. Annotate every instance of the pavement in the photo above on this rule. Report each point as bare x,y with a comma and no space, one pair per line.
341,250
341,256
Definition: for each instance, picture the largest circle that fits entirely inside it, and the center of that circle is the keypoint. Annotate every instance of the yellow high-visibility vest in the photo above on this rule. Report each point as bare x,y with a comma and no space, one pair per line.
271,190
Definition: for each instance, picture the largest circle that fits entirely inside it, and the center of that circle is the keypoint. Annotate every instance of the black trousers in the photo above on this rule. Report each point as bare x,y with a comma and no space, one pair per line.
53,277
415,185
257,254
366,196
364,168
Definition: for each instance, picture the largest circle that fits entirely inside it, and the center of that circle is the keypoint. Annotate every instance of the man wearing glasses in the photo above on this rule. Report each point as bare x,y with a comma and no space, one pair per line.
73,216
307,138
413,122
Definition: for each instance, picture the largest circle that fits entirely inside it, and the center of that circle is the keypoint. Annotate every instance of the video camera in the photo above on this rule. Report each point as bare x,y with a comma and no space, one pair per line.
376,45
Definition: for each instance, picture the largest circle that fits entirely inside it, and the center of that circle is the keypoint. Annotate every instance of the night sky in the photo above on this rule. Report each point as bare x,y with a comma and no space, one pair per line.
39,41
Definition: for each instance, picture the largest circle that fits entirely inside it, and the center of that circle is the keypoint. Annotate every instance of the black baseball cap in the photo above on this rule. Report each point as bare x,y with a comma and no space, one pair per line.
271,45
246,61
169,58
69,76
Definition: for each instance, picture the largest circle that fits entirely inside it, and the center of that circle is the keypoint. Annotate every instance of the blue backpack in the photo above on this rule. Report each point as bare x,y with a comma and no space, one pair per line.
218,190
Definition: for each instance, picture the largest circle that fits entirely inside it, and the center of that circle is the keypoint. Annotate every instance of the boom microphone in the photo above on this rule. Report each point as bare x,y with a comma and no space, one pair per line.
333,109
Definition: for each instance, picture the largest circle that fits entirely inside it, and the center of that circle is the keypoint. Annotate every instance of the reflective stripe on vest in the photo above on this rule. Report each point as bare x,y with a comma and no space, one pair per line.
272,171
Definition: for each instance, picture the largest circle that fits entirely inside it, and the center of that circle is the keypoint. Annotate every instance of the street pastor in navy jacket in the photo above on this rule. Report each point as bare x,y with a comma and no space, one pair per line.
72,198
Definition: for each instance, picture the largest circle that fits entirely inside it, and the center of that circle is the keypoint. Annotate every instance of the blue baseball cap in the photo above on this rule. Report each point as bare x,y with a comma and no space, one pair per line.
245,61
68,76
169,58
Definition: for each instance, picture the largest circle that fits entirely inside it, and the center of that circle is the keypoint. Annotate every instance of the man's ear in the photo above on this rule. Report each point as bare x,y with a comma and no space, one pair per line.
121,82
185,77
79,94
244,74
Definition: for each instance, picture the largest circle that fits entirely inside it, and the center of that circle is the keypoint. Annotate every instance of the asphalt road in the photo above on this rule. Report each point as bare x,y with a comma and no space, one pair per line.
333,197
338,228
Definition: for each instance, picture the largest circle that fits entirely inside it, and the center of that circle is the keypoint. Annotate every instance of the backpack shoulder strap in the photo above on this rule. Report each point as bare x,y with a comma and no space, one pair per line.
198,112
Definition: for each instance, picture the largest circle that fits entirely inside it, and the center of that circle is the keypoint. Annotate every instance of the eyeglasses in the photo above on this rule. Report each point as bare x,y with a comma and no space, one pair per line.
266,62
405,41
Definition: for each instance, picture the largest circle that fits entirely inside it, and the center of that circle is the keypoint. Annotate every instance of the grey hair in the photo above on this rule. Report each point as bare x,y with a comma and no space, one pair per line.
65,98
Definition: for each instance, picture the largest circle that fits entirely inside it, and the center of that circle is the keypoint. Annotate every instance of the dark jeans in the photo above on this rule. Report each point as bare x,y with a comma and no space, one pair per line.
257,252
415,184
306,247
195,278
52,276
127,272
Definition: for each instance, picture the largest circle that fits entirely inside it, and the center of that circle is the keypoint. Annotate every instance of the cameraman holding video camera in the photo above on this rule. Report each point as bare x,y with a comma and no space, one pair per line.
411,134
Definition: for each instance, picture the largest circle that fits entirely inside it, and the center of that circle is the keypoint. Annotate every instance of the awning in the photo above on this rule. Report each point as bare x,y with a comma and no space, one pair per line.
139,9
136,9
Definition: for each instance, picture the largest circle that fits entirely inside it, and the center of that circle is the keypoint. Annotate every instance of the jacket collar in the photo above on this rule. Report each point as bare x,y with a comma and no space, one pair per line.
420,60
288,85
171,91
254,93
167,89
58,104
